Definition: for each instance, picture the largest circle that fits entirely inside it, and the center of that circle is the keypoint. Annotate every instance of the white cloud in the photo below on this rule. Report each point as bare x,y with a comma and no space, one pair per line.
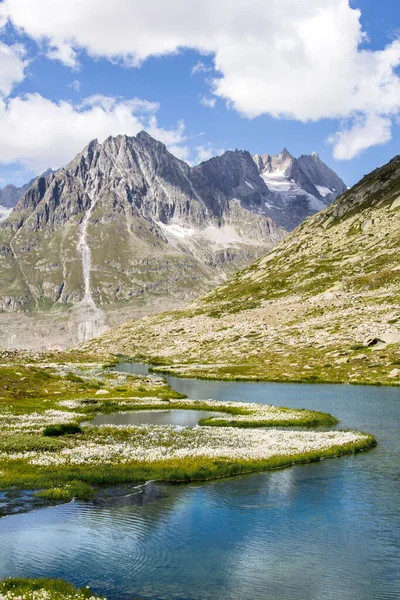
12,66
75,85
298,59
205,153
208,102
200,67
65,54
108,103
182,152
366,131
39,133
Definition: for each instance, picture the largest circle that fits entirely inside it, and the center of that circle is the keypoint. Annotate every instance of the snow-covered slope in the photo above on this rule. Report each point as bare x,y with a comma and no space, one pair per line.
298,187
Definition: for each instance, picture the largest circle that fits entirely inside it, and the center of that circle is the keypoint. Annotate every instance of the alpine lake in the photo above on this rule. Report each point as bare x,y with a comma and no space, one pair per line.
320,531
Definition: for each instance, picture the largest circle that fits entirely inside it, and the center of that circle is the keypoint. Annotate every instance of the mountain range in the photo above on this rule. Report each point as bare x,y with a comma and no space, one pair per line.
11,194
9,197
321,306
127,229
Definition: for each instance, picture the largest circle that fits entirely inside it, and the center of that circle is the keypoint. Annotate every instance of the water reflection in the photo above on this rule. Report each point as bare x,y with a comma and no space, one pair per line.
183,418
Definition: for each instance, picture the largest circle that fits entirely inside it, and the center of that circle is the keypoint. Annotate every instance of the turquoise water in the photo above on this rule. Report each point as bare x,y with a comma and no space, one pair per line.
325,531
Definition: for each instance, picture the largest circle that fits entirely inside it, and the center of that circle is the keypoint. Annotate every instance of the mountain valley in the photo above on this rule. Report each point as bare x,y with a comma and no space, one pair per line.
126,229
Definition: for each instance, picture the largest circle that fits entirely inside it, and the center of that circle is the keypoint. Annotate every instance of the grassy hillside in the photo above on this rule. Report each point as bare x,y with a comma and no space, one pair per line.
323,306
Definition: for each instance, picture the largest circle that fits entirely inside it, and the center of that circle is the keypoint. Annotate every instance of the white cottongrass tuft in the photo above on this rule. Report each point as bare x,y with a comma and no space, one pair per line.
151,443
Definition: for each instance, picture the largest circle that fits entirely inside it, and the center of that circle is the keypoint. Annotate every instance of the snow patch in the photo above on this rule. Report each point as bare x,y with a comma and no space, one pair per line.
221,236
289,190
277,182
249,184
90,316
324,191
176,230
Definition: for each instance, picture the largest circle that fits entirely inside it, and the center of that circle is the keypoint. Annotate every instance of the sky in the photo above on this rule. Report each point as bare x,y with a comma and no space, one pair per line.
203,77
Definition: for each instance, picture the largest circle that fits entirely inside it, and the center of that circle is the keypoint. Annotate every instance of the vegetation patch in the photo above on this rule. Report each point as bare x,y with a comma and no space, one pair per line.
74,489
63,429
17,588
186,466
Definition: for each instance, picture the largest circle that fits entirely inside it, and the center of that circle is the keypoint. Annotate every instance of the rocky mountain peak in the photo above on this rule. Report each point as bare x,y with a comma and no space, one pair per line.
280,163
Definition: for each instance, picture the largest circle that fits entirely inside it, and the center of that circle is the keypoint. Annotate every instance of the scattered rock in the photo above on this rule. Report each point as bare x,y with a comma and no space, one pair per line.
368,223
341,361
102,393
360,357
394,373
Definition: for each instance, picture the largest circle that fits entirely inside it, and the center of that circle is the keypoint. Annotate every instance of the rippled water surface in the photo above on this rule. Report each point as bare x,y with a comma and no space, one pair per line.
314,532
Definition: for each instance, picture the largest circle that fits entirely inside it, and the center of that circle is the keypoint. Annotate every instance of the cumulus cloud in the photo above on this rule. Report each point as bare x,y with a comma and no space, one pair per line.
366,131
297,59
12,66
39,133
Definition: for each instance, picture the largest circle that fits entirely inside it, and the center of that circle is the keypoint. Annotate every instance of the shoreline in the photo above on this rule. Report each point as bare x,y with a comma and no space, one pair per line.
203,373
259,379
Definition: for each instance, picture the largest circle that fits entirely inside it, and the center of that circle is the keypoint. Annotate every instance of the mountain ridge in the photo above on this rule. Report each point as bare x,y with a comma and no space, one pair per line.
321,306
126,223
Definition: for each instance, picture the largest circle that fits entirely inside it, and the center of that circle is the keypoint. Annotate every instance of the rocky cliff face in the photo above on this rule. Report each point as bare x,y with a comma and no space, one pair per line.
322,306
126,224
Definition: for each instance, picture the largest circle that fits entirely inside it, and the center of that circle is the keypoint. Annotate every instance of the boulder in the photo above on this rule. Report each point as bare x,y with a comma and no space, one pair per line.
373,342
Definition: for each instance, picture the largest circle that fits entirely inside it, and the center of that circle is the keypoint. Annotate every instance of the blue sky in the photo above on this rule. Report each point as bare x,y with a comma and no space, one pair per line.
68,77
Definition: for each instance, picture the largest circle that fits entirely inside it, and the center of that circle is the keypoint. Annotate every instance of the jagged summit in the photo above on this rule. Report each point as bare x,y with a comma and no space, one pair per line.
299,186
